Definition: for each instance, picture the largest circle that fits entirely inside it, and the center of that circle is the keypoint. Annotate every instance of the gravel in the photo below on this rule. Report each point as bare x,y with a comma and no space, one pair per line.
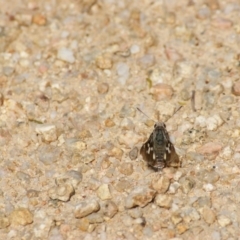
72,77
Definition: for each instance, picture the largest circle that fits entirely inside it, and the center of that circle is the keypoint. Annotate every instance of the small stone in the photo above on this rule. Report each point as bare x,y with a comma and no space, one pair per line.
76,144
222,23
109,209
116,152
147,61
62,192
8,71
39,19
84,224
95,218
66,55
210,149
4,221
236,88
140,196
48,131
133,154
224,221
161,184
103,192
182,227
208,215
164,201
102,88
208,187
126,168
75,177
104,62
127,124
173,187
32,193
49,154
21,216
85,208
134,49
187,184
127,111
123,185
135,212
161,91
109,122
84,134
176,218
122,69
214,122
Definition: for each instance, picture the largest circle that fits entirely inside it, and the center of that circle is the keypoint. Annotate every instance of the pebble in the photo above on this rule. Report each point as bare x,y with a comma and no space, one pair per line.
176,218
208,215
104,62
182,228
123,185
126,168
134,49
122,70
48,131
83,224
109,209
95,218
127,111
75,177
103,192
162,91
135,212
127,124
210,149
140,196
102,88
133,154
173,187
85,208
214,122
8,71
223,221
39,19
109,122
164,201
208,187
147,61
4,221
172,54
75,144
187,184
116,152
221,23
21,216
236,88
49,154
62,192
161,184
129,138
66,54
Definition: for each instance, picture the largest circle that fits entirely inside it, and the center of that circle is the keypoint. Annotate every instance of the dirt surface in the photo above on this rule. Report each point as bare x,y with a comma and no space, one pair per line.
72,76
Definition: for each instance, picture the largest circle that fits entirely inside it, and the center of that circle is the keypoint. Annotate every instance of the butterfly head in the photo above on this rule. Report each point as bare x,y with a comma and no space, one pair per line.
159,125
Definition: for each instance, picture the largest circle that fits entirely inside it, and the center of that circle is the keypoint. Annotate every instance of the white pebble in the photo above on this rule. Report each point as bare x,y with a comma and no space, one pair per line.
66,55
122,69
214,122
200,121
208,187
134,49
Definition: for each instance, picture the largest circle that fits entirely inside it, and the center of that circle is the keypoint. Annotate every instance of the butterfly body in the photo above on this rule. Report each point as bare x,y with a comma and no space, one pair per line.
158,151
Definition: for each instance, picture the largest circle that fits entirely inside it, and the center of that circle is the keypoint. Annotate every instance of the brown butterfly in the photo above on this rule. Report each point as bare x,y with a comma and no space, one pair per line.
158,151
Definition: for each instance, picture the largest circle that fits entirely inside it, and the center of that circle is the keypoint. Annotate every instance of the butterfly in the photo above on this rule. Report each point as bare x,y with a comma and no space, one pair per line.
158,151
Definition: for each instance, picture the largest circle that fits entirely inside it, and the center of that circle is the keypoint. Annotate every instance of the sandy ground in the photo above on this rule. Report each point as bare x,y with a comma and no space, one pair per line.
72,76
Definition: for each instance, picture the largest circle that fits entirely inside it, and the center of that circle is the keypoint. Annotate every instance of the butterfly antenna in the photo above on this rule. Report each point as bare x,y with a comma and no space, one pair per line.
143,113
